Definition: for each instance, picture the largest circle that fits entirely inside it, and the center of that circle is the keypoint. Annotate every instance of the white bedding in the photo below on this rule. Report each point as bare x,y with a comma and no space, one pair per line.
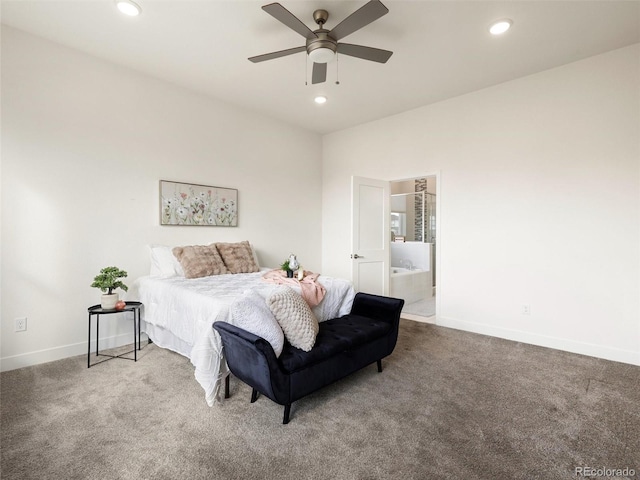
178,314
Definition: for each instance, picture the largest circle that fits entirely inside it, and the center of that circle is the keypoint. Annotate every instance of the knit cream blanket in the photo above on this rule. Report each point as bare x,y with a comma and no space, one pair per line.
311,290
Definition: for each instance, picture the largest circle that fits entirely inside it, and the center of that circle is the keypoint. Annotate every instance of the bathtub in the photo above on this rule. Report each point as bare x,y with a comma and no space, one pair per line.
410,285
403,271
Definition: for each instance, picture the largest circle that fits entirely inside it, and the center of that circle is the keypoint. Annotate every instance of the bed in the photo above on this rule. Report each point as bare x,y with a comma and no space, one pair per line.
179,312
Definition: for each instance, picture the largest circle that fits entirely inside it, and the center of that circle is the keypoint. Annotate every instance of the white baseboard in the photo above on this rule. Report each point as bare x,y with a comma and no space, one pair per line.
65,351
599,351
592,350
419,318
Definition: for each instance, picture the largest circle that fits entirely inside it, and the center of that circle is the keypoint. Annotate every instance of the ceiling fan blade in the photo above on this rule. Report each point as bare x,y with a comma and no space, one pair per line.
366,53
281,53
278,12
366,14
319,73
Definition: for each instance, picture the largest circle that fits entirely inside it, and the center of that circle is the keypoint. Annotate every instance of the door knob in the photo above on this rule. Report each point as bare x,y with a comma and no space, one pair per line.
355,255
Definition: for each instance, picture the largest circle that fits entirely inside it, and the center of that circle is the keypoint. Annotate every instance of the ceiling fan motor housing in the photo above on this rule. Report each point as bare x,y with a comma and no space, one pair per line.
322,41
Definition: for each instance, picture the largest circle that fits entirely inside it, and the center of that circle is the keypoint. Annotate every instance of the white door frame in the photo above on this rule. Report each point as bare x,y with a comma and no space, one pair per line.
438,261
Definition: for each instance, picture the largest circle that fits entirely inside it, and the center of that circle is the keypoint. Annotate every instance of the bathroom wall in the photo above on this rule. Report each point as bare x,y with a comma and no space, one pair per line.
406,186
418,253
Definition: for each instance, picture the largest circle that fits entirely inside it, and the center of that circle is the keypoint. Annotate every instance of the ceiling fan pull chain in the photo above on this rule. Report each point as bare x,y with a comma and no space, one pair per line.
306,70
337,69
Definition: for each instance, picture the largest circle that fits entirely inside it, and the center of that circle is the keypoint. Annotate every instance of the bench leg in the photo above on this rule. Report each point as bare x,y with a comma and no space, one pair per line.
287,411
226,386
254,395
379,366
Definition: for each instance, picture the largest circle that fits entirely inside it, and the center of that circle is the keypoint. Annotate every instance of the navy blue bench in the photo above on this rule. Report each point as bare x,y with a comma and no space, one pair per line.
343,345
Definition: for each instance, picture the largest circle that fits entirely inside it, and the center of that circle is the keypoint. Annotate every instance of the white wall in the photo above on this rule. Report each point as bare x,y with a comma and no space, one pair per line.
539,202
84,145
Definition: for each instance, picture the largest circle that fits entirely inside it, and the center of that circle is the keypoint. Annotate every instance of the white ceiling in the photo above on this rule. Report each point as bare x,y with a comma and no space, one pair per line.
441,49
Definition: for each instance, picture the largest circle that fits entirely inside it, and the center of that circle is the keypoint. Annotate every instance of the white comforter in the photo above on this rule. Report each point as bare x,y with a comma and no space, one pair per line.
178,314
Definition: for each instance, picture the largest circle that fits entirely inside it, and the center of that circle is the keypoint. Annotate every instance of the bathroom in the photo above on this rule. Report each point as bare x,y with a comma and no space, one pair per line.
413,244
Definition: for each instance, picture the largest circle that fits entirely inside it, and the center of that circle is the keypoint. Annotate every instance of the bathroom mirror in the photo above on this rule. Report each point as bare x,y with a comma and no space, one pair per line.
398,223
407,216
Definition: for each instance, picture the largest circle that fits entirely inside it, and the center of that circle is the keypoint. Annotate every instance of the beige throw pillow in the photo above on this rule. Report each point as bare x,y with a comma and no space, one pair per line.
298,322
200,261
238,257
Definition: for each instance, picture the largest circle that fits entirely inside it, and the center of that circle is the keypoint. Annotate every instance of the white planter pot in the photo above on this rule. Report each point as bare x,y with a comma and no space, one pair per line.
109,301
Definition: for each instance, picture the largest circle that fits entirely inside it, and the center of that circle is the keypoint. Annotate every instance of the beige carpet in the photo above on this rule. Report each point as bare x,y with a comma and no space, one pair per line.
448,405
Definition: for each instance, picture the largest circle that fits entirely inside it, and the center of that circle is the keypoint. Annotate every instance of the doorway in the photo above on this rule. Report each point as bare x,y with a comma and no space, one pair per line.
413,225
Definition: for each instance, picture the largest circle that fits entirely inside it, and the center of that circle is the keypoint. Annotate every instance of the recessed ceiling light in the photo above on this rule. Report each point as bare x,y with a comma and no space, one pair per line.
128,7
501,26
320,99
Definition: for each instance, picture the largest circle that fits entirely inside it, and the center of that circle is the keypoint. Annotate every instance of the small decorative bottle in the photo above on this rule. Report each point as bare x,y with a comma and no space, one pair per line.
293,262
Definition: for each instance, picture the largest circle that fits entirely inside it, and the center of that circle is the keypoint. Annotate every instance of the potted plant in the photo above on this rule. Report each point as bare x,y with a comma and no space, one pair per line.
108,280
285,267
290,265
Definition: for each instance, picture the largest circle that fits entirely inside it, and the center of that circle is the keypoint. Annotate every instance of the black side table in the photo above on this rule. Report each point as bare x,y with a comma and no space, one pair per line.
97,310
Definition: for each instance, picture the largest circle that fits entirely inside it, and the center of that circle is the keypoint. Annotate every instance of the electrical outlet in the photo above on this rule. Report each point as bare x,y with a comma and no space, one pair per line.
526,309
21,324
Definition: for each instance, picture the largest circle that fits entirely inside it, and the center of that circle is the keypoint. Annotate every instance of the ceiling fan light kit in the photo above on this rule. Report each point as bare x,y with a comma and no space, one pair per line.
322,45
322,55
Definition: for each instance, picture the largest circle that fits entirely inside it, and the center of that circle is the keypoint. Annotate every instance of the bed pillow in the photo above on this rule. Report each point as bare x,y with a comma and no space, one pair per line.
163,262
251,313
255,257
200,261
299,324
238,257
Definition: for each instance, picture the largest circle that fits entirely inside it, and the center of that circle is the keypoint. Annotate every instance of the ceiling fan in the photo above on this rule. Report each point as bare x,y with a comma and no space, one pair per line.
322,45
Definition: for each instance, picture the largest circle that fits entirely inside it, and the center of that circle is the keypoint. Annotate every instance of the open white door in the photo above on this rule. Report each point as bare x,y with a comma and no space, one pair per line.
370,235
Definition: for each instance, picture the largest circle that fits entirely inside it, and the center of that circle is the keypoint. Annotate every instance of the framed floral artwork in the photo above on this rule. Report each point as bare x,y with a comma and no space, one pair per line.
190,204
